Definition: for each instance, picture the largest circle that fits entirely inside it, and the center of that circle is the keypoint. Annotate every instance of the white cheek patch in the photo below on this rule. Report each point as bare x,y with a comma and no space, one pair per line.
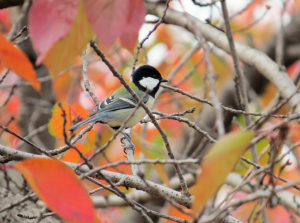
149,83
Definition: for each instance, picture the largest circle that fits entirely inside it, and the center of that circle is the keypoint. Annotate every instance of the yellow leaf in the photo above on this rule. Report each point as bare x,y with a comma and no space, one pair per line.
217,164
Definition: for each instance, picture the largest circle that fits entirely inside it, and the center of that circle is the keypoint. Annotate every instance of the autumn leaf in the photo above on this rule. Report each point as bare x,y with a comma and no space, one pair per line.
137,13
64,52
56,122
56,184
14,59
111,19
217,164
73,156
108,18
50,21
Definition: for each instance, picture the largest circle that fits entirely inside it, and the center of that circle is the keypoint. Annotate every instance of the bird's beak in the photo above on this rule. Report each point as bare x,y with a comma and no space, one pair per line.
164,80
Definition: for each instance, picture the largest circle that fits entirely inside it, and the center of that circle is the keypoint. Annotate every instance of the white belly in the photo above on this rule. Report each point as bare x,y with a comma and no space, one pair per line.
120,116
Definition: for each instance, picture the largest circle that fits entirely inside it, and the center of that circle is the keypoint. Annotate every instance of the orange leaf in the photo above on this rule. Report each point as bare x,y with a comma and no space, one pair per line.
56,184
57,121
218,163
73,156
14,59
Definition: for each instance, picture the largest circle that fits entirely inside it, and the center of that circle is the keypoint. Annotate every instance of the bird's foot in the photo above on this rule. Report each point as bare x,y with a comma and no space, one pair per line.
128,144
131,146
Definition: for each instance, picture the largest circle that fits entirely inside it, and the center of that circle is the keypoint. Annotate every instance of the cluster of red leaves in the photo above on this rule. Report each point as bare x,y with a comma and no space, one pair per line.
60,30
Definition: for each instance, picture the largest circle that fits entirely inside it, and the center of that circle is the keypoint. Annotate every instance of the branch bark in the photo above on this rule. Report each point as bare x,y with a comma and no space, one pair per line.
246,54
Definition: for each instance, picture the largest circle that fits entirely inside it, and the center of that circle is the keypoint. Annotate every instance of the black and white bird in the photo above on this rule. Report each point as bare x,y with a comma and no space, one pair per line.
114,110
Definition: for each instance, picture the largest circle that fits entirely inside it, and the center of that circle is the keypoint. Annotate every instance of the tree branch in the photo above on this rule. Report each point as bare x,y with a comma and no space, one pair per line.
246,54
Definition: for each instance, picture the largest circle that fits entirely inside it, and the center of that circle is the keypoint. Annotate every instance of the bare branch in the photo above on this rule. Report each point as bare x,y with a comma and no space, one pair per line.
87,85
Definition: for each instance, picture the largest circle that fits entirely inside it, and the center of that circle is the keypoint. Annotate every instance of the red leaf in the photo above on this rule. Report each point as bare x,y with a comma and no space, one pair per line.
56,184
49,21
14,59
137,13
108,18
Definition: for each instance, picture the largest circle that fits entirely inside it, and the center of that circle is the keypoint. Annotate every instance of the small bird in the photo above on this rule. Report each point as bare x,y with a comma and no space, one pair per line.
114,110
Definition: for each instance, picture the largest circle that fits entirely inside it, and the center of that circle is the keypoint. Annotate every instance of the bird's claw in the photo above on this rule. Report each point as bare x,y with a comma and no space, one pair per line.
123,138
130,146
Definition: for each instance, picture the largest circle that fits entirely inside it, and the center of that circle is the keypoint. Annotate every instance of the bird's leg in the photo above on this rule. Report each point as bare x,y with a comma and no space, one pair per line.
126,140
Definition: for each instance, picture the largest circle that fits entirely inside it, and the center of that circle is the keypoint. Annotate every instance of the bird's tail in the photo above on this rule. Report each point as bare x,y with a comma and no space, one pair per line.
85,122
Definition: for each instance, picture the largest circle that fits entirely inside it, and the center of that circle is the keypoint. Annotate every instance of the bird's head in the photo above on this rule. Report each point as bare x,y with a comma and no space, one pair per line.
147,77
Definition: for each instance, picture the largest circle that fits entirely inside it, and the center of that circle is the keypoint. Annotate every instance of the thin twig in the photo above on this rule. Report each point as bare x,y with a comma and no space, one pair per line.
6,125
267,132
191,110
261,120
280,39
192,71
239,72
254,22
148,35
257,166
25,140
24,10
187,121
242,10
212,81
187,94
66,147
172,218
86,79
67,141
33,133
9,96
183,61
19,33
224,107
140,162
16,203
4,75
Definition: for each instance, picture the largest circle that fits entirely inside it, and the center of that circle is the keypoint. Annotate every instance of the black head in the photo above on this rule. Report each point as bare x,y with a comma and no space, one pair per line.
147,77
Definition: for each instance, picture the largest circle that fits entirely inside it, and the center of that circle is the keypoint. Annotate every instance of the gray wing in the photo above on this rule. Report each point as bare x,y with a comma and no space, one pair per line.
113,104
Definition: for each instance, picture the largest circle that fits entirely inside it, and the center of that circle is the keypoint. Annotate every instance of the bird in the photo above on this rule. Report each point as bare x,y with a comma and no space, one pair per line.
115,109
